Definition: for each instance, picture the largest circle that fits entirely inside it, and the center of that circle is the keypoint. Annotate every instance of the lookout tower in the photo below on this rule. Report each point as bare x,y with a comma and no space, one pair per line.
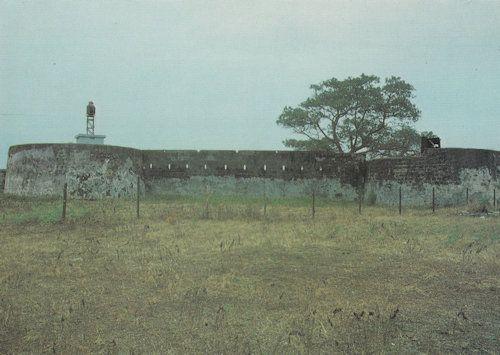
90,137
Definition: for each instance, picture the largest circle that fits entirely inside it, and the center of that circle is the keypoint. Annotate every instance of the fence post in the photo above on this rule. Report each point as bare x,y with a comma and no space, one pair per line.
467,196
494,198
433,200
138,194
265,200
313,202
359,201
65,198
400,200
206,214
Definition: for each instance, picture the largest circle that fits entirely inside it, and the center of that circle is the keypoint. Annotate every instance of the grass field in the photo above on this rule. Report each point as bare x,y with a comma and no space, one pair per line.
217,276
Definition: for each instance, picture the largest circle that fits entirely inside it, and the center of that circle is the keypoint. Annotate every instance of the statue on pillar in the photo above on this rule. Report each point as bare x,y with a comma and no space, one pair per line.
90,109
90,118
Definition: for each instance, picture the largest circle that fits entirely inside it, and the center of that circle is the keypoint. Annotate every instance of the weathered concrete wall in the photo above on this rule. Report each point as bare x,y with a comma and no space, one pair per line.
2,179
90,171
279,173
99,171
254,186
449,171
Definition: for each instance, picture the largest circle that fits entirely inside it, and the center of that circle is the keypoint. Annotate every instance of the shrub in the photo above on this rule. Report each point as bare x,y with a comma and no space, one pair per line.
371,199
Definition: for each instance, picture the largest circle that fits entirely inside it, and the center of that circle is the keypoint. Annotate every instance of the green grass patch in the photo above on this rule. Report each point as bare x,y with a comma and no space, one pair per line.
234,280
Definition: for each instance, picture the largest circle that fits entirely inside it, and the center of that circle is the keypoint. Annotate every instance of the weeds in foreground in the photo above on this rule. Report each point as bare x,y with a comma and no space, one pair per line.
236,280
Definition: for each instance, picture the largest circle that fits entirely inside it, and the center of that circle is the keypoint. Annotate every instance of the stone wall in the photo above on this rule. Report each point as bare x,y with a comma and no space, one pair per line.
90,171
278,173
449,171
98,171
2,179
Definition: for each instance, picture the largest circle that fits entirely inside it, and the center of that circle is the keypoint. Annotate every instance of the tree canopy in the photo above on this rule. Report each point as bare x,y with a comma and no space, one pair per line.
358,114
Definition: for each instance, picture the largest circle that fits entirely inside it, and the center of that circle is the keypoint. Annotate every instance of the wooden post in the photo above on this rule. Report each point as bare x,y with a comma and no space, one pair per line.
433,200
467,196
400,200
359,201
206,214
138,195
65,199
265,200
313,202
494,198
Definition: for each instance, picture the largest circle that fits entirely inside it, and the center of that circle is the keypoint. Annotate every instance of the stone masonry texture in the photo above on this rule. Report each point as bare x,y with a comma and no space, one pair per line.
101,171
449,171
2,179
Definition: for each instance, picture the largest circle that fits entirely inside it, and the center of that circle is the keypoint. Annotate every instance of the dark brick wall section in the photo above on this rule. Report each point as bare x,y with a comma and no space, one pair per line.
286,165
437,166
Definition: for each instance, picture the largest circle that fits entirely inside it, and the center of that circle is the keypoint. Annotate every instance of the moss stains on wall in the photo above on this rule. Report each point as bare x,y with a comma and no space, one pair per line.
90,171
99,171
2,179
449,171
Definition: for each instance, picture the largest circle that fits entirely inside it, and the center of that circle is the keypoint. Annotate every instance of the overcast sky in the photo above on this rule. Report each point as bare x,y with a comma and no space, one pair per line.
216,74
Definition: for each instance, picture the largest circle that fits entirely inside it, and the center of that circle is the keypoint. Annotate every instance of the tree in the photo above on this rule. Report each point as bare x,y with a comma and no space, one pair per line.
356,115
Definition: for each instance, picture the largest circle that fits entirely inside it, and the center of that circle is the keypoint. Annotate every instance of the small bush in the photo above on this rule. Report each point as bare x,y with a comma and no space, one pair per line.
478,207
371,199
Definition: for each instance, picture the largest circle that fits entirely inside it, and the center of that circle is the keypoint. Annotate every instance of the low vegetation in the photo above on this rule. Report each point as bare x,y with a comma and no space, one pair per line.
227,275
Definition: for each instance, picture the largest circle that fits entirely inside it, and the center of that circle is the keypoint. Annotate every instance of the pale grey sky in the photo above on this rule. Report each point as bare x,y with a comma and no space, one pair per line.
216,74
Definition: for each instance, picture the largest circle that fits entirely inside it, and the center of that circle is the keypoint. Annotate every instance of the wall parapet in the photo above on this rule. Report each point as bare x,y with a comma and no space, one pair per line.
286,165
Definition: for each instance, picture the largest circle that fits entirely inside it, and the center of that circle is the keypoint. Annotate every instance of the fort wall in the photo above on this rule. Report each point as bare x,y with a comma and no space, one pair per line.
2,179
275,173
449,171
98,171
90,171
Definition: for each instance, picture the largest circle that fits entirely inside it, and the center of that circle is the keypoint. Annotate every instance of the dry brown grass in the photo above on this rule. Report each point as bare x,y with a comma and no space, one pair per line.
181,280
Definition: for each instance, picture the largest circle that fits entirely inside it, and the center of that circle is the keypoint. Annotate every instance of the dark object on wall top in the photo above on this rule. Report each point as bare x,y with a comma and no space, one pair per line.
90,109
428,143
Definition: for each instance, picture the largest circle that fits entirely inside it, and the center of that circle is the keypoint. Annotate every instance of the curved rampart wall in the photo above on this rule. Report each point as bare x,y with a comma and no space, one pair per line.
90,171
449,171
2,179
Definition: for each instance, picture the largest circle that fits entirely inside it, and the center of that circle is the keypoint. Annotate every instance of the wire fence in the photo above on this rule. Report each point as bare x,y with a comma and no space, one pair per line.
361,203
